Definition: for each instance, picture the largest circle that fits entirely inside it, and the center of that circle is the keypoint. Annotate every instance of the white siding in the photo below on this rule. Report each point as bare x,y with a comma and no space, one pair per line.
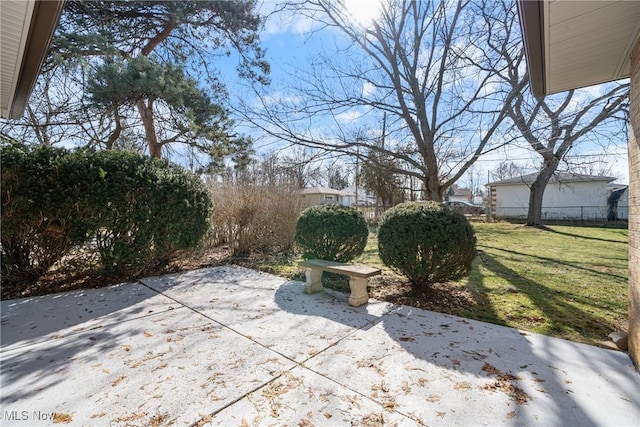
14,29
575,200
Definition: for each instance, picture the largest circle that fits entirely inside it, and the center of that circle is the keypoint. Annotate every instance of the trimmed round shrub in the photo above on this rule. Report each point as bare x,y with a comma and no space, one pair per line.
331,232
427,242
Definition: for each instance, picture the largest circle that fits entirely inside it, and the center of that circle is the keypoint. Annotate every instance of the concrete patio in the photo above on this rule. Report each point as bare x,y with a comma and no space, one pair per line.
234,347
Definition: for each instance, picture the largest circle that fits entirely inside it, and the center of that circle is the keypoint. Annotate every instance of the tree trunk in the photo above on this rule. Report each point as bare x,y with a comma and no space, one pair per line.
146,114
432,187
536,194
113,137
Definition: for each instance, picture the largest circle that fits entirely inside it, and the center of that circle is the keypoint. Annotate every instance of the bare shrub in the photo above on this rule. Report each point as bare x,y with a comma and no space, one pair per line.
254,217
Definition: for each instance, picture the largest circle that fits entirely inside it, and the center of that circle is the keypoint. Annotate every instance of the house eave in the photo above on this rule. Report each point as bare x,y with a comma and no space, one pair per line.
22,70
532,27
575,44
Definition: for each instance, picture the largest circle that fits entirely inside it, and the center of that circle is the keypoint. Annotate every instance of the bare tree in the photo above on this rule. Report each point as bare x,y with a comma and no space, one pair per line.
377,177
596,165
302,166
337,176
53,111
411,64
507,170
552,125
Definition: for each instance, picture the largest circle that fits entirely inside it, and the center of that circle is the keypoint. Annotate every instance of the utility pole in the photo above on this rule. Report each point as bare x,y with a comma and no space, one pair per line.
358,139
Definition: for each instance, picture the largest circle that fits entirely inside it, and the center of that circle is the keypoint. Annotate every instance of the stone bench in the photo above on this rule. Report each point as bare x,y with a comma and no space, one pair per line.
358,275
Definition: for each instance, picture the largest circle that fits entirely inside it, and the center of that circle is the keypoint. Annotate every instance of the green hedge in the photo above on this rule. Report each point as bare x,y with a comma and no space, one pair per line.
41,219
427,242
331,232
132,211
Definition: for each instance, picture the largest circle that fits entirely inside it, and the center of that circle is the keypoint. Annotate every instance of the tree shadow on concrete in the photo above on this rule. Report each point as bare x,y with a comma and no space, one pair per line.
549,380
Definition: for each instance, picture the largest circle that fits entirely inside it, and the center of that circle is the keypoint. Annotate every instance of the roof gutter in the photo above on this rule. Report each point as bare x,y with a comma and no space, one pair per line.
532,23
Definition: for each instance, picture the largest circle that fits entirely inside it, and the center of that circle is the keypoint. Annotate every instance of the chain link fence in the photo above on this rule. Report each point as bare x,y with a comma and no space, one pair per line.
565,213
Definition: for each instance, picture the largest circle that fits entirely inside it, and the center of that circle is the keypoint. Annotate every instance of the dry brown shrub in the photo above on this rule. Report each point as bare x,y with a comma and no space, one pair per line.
254,217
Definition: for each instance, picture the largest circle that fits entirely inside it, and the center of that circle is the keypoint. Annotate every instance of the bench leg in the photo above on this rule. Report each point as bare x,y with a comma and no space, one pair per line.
314,281
359,295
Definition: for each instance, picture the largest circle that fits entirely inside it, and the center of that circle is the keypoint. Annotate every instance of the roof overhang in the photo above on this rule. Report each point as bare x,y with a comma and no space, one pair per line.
573,44
26,29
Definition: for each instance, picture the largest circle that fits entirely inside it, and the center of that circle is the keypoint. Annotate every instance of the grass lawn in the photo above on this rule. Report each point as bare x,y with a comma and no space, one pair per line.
567,282
571,282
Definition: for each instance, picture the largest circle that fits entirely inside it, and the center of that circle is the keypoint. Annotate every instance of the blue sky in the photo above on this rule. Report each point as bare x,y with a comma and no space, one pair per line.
292,41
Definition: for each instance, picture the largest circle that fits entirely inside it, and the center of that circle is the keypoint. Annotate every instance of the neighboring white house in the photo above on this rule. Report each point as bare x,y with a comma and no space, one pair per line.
457,194
364,199
324,195
567,196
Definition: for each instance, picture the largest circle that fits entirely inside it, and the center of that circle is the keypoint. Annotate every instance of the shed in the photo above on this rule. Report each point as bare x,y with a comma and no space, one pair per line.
567,196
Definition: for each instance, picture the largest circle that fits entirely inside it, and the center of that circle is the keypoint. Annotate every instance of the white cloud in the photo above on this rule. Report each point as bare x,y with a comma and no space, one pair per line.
363,12
348,116
368,89
285,22
280,98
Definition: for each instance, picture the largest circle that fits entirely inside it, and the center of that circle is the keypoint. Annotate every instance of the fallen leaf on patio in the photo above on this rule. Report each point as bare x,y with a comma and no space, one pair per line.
354,400
147,335
100,415
205,417
513,391
132,417
423,381
305,422
126,347
433,399
118,381
491,370
60,417
372,419
511,414
462,386
158,420
382,386
390,405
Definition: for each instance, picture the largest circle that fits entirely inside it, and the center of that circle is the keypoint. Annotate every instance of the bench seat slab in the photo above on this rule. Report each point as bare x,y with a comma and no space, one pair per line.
340,268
